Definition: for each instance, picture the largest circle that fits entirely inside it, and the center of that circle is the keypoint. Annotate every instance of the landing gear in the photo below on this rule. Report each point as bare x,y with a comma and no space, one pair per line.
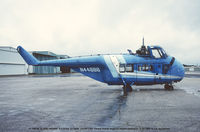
168,86
127,88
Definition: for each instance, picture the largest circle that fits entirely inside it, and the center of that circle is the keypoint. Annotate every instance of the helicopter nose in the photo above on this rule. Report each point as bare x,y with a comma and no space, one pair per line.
179,70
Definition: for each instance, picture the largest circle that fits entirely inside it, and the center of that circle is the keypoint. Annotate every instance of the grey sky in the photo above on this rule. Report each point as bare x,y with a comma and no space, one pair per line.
80,27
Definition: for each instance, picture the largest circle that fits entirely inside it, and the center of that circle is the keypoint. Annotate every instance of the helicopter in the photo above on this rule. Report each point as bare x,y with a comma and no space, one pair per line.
150,65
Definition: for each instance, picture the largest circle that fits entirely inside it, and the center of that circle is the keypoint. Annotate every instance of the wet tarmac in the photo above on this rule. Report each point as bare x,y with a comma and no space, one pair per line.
72,102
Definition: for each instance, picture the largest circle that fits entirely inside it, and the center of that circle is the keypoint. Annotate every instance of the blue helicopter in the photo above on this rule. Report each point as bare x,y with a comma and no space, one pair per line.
148,66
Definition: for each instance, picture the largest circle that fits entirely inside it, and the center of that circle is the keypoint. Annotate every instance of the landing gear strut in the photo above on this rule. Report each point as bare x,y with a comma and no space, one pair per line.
168,86
127,88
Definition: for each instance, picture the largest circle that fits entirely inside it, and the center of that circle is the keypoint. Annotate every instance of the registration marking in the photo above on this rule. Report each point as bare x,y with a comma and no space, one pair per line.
90,69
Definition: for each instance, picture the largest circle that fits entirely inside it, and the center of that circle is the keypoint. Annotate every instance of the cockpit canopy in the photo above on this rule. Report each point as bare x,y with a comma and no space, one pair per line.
157,52
151,51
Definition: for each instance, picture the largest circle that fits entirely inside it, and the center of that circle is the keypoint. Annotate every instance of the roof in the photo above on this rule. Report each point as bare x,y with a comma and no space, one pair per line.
63,56
47,53
8,48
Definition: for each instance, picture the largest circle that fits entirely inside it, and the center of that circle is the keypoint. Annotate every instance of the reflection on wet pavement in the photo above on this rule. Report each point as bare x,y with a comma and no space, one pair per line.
73,100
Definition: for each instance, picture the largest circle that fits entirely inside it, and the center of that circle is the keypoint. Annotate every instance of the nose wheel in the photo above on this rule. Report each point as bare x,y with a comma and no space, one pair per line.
169,86
127,88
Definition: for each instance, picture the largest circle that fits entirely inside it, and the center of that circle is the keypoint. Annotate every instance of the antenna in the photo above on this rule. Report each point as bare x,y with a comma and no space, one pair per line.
143,41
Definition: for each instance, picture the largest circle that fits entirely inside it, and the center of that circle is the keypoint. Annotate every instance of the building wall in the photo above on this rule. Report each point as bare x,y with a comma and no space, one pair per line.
44,69
11,63
192,69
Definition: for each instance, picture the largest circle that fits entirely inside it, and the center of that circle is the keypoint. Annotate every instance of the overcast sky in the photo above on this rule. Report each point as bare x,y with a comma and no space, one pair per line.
81,27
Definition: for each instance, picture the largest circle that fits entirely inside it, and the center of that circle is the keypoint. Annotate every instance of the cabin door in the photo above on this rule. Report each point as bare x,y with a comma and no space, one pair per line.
158,73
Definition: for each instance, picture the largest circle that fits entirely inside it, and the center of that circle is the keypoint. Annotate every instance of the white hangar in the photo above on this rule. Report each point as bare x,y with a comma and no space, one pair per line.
11,63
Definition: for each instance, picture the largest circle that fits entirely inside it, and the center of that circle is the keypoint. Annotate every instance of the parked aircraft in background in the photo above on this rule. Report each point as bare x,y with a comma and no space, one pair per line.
148,66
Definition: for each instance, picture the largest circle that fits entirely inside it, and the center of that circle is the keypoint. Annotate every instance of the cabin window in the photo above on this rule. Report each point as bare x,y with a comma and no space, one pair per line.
151,67
126,68
145,67
122,68
139,68
129,68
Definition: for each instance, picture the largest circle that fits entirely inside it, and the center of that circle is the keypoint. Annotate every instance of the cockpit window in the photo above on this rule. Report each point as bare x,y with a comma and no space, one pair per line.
156,53
164,52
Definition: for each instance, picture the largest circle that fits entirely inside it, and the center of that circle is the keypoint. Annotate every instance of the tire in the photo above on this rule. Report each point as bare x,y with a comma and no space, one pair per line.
168,87
129,88
125,91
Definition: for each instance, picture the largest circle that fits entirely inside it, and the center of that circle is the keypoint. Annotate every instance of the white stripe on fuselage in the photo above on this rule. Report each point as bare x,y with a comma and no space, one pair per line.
148,75
111,67
113,62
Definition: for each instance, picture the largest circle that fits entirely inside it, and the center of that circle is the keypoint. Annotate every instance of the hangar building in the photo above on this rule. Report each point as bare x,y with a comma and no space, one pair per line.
192,68
47,55
43,55
11,63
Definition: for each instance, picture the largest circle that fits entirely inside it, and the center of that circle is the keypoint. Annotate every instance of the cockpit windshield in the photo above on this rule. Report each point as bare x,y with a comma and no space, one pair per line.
164,52
156,53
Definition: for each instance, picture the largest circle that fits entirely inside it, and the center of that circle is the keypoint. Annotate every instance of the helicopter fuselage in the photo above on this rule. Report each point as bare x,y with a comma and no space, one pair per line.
146,67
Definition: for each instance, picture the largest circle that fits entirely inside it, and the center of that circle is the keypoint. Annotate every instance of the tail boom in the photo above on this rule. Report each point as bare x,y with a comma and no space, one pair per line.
71,62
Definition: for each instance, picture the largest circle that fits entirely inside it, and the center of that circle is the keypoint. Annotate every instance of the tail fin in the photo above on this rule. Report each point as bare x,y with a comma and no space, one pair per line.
31,60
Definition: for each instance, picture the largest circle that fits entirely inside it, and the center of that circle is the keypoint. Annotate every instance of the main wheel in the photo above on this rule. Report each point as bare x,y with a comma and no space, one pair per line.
168,87
129,88
124,90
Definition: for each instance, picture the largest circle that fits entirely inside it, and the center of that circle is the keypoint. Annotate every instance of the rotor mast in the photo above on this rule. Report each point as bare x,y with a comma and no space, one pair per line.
143,41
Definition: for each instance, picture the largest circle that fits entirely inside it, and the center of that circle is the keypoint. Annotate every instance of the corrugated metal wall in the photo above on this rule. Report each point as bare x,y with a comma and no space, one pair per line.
11,63
45,69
